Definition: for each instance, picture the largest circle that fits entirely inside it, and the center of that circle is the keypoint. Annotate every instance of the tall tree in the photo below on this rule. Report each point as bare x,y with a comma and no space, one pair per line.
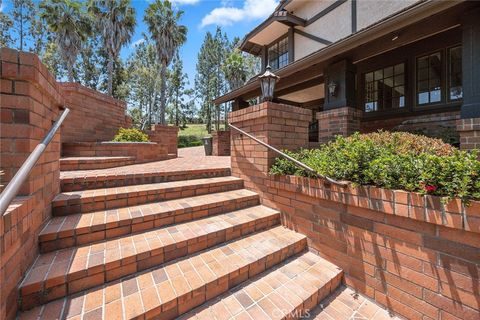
143,82
168,35
116,23
6,24
178,92
70,26
203,87
210,80
23,11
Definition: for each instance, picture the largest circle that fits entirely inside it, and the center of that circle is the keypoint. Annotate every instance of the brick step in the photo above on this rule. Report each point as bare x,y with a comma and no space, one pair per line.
345,303
289,291
109,198
179,286
68,271
90,163
122,176
78,229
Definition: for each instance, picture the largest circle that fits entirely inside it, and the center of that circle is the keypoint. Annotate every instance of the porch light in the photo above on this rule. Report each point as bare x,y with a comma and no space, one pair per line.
332,88
268,81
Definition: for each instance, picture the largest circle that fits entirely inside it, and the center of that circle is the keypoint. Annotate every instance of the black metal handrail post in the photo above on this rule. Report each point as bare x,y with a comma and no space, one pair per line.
11,190
286,156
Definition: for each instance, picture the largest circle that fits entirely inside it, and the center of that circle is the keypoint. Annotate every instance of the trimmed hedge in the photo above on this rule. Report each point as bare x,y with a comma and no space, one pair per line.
189,141
395,161
130,135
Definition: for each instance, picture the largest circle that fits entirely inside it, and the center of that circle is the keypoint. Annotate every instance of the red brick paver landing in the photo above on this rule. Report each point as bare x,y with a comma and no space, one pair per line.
188,159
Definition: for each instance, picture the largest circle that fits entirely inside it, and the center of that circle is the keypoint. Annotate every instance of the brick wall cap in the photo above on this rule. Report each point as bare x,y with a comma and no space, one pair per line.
381,199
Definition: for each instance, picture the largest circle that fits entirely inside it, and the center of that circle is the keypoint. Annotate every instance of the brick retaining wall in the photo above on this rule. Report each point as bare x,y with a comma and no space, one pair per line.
94,116
409,252
141,151
30,101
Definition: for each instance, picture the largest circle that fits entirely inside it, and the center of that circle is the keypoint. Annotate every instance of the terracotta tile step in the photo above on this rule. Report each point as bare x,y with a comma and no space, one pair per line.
69,270
345,303
181,285
96,179
90,163
289,291
78,229
108,198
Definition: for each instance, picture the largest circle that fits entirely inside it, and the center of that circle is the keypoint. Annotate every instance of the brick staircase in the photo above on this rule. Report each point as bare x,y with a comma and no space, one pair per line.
161,245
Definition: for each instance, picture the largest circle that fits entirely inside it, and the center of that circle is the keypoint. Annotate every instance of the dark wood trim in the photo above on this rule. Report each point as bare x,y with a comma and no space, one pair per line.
354,16
292,103
325,11
291,45
312,37
313,103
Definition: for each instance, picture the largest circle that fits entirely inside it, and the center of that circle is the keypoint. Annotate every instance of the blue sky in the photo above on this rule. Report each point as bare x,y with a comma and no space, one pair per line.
236,17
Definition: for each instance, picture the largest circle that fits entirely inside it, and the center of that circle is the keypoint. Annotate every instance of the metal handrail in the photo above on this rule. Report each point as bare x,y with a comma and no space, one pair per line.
11,190
286,156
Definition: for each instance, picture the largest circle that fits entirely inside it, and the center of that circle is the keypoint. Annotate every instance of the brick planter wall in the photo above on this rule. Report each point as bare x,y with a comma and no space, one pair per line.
221,143
342,121
469,130
30,101
165,135
94,116
411,253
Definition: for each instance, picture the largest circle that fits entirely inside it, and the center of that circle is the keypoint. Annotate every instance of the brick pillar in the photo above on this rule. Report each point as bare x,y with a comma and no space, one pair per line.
30,100
469,130
282,126
342,121
221,143
166,135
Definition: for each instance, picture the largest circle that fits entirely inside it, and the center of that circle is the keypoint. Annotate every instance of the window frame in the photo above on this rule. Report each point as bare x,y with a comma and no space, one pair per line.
383,66
276,42
448,74
443,81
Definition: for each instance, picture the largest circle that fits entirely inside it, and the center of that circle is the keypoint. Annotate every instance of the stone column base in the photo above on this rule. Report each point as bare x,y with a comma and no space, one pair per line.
342,121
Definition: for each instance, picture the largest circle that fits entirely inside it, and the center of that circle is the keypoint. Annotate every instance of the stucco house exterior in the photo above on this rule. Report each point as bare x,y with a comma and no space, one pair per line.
364,65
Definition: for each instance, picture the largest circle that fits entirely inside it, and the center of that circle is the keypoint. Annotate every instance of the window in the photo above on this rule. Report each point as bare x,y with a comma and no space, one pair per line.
385,88
278,54
429,79
455,90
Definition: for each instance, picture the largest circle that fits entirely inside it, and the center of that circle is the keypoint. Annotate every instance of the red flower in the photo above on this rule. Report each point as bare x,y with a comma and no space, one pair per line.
430,188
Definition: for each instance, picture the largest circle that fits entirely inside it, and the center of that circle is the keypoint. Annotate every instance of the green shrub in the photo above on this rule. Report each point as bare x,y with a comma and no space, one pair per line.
130,135
189,141
394,161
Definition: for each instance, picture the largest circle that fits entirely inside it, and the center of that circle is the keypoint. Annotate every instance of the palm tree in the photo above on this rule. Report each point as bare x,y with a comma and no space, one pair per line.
116,23
168,36
69,23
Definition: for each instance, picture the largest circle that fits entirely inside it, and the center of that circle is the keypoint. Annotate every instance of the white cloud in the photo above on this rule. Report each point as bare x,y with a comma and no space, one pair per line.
180,2
2,6
136,43
251,10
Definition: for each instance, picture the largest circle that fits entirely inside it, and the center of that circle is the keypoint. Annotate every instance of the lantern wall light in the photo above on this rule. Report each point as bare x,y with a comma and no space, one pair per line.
332,88
268,80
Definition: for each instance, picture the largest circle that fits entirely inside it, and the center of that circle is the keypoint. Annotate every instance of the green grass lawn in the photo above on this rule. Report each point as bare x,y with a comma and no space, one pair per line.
192,135
198,130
